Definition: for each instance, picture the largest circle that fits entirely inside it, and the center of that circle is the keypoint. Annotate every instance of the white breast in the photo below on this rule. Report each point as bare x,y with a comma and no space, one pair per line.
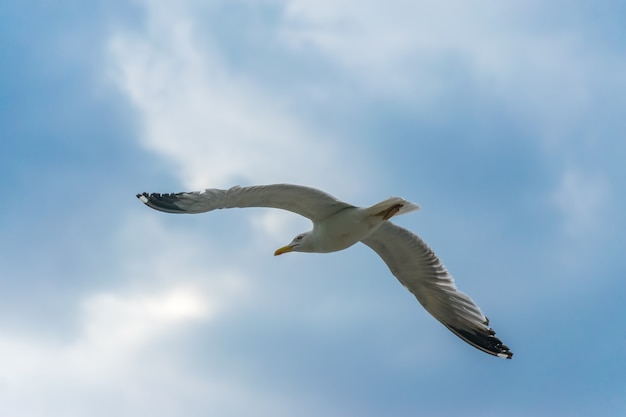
344,229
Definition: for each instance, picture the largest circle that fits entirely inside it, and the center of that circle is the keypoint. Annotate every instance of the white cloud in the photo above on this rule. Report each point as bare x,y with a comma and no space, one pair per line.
375,37
546,76
102,363
126,357
124,322
174,322
215,127
278,227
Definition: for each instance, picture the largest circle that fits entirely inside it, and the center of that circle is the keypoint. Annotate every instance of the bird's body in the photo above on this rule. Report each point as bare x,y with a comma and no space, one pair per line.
337,226
338,232
351,225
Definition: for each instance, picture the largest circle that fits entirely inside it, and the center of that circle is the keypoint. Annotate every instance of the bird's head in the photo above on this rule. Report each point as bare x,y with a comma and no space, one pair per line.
301,243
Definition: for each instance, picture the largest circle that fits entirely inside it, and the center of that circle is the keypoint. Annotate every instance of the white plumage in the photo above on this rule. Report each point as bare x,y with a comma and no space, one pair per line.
338,225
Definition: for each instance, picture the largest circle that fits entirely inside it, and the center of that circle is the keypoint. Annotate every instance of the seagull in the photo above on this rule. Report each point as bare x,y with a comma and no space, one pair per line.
338,225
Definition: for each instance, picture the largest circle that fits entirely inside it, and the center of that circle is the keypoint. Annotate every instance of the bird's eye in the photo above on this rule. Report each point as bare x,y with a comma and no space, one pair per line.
299,238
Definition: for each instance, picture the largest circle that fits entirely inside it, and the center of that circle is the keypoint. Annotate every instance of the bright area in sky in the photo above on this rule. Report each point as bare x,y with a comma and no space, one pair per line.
504,121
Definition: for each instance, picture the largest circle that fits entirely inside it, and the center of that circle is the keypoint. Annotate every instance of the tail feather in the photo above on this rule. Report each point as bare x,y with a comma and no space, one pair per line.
393,206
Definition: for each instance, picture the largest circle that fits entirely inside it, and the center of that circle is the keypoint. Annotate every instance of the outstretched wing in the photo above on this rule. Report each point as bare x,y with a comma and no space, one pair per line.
420,271
306,201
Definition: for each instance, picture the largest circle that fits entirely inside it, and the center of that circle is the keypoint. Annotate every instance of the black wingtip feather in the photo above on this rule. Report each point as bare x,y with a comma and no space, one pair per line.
485,341
161,202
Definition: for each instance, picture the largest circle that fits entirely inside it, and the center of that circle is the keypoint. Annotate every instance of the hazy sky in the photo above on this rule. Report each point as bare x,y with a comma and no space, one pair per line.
503,120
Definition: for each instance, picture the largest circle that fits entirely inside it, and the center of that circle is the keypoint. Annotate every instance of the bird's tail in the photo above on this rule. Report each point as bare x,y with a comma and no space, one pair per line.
393,206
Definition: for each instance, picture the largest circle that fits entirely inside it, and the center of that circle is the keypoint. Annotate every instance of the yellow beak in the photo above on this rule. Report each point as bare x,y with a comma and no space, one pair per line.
282,250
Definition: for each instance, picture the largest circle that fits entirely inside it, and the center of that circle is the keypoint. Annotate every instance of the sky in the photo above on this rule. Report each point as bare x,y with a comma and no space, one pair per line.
503,120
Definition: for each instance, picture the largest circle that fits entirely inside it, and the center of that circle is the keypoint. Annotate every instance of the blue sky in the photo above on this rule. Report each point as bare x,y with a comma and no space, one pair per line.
503,121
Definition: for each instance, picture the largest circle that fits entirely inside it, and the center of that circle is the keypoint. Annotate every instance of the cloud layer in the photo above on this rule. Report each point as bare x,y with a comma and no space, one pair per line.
504,121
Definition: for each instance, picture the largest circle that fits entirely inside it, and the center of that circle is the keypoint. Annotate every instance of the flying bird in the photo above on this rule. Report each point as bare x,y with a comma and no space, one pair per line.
338,225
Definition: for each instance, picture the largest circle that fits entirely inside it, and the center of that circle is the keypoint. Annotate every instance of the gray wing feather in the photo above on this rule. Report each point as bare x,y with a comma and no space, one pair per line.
306,201
417,267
